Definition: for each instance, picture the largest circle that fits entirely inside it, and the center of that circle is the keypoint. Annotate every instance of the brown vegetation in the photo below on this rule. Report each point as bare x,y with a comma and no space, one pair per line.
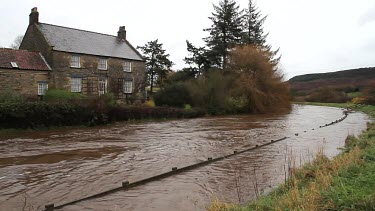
249,85
369,94
327,95
263,87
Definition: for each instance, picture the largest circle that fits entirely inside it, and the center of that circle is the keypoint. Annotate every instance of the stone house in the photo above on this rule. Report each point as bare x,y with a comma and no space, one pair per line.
87,62
23,72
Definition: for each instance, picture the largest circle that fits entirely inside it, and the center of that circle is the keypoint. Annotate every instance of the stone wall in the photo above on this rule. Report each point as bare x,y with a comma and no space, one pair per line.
33,40
24,82
90,74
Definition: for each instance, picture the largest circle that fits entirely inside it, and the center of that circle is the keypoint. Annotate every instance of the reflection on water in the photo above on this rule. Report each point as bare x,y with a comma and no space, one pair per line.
60,166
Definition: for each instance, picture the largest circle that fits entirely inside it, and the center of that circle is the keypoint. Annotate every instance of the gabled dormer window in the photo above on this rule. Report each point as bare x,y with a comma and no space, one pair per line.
102,64
127,66
75,61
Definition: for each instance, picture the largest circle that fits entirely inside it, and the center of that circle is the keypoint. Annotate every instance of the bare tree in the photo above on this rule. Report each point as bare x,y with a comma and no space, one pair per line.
17,42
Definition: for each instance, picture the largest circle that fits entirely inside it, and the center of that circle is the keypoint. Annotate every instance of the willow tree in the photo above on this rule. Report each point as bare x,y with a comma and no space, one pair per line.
226,29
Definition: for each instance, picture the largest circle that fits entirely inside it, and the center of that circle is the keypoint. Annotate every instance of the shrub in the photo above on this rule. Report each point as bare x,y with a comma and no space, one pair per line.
210,90
9,96
187,106
150,103
369,94
358,100
62,96
175,95
180,76
40,114
327,95
237,104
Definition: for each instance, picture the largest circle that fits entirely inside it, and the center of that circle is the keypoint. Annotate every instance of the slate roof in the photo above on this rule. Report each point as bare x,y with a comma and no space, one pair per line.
26,60
86,42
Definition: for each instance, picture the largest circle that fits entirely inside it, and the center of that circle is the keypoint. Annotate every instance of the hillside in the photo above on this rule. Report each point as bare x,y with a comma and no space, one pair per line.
347,80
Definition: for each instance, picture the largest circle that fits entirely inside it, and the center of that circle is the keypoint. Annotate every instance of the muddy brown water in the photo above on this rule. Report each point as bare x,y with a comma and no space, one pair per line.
40,168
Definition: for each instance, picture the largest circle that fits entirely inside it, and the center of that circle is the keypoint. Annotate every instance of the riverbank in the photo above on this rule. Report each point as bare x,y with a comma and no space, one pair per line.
347,182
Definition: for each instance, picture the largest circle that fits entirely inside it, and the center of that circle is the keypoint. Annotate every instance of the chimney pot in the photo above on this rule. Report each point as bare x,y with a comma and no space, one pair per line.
34,16
121,34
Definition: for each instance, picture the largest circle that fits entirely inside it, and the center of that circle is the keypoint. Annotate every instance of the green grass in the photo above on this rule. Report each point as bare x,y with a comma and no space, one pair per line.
354,94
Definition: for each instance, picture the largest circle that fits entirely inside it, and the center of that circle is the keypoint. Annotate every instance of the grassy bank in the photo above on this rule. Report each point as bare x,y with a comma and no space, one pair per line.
346,182
367,109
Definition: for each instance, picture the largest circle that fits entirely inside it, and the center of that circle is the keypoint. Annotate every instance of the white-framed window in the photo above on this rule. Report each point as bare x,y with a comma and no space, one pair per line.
75,61
127,66
42,88
102,64
103,84
128,86
76,84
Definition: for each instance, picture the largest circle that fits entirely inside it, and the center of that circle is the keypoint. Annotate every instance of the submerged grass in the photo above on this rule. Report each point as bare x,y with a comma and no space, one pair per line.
346,182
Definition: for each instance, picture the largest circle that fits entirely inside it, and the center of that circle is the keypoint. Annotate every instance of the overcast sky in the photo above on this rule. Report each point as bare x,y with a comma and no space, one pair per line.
313,35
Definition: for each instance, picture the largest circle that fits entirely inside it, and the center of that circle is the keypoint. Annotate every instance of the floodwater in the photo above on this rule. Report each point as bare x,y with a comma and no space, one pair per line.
40,168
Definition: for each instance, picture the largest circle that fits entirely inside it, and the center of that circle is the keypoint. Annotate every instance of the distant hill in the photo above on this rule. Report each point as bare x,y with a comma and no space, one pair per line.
347,80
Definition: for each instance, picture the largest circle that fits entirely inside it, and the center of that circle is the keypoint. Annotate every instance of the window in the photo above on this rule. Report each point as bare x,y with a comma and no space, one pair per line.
42,88
75,61
127,66
76,84
103,82
102,64
128,87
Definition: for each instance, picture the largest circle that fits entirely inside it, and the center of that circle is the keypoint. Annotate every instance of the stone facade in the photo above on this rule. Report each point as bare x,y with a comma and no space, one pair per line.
22,82
59,60
90,73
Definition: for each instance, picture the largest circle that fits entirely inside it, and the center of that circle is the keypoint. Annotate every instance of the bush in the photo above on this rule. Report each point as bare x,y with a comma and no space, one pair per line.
211,90
369,95
237,104
327,95
63,96
40,114
9,96
175,95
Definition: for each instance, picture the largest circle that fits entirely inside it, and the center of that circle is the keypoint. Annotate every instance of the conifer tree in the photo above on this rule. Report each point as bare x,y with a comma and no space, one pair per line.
157,62
199,59
226,29
253,33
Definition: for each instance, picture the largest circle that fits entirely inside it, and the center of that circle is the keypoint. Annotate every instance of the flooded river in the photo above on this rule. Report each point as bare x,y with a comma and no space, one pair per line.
60,166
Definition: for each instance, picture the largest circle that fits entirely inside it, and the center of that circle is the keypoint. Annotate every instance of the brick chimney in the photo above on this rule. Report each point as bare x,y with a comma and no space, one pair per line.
34,16
121,34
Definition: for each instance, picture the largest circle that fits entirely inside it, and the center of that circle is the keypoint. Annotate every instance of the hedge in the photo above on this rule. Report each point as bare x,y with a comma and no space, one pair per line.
40,114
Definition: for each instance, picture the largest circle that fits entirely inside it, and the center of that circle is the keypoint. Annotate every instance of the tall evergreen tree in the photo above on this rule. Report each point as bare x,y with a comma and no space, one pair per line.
253,26
199,59
253,33
157,62
226,29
